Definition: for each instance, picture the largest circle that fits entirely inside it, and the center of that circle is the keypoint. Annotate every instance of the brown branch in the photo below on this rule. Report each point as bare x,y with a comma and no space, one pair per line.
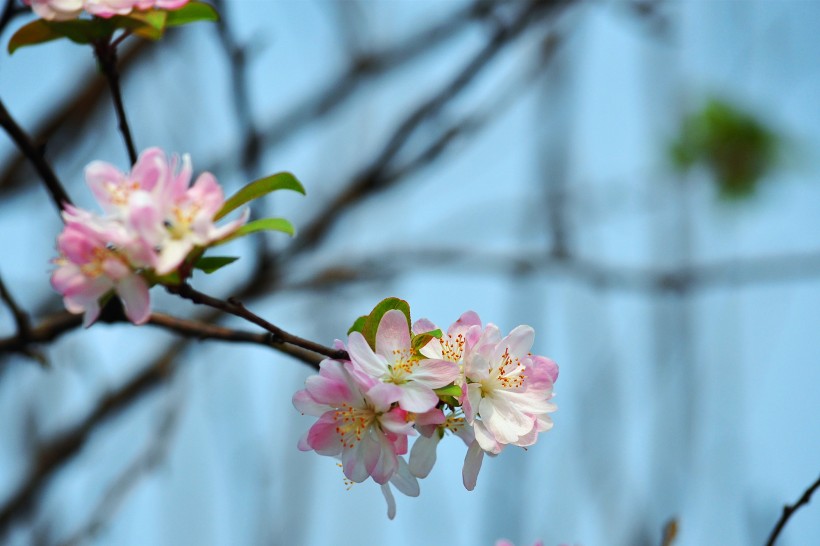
788,511
234,307
106,53
35,156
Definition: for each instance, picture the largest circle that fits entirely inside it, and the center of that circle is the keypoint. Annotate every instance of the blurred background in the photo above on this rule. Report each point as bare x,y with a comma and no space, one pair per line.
636,180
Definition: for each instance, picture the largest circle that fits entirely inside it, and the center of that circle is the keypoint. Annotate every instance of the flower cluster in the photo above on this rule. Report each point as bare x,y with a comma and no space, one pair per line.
62,10
152,223
398,382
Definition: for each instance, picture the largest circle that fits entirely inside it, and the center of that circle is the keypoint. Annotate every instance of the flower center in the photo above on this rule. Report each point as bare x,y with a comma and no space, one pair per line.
351,423
452,348
510,373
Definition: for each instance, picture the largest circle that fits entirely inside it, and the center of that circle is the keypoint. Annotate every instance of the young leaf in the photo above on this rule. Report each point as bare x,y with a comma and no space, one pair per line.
209,264
36,32
449,390
258,188
83,31
371,325
420,340
358,325
191,13
264,224
146,24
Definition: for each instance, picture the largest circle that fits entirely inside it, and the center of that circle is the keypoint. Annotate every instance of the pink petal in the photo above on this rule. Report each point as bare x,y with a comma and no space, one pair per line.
417,397
435,373
423,455
306,405
133,292
391,501
363,356
393,335
404,480
423,326
472,465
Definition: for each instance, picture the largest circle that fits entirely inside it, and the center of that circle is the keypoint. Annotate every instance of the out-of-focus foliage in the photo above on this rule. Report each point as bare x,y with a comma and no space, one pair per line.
736,147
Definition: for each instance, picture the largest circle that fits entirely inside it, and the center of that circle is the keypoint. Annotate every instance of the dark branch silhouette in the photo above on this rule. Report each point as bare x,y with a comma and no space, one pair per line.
789,510
26,146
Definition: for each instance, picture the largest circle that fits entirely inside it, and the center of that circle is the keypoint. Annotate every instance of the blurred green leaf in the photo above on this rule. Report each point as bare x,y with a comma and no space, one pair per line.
191,13
209,264
736,147
449,390
36,32
420,340
258,188
264,224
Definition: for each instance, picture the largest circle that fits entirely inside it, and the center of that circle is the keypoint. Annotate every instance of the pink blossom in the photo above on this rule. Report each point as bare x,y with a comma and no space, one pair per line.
96,257
432,428
62,10
396,362
155,197
508,394
357,421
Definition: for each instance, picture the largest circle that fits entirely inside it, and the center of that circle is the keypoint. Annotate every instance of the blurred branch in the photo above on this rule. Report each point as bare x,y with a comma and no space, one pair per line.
237,55
392,263
21,319
10,10
670,532
788,511
125,483
70,118
35,156
373,64
54,454
106,53
372,179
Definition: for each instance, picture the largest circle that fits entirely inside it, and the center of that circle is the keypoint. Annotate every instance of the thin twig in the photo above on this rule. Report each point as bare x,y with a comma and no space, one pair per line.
234,307
10,11
788,511
35,156
106,54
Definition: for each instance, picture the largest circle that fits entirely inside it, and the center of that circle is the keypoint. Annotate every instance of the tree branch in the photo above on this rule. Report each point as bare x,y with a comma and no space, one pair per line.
234,307
106,53
35,156
788,511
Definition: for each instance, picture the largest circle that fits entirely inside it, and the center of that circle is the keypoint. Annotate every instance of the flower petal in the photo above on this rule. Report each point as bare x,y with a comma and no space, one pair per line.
423,455
472,465
393,335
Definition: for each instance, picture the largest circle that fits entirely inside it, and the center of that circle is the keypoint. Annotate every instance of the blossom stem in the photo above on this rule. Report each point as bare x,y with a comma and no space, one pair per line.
236,308
106,53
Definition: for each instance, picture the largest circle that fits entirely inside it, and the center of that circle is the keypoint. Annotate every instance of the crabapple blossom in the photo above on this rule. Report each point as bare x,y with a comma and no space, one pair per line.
396,362
358,421
62,10
155,195
153,221
97,256
470,382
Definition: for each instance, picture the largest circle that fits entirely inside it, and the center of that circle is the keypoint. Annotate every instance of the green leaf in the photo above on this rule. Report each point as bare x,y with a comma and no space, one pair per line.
209,264
371,325
264,224
191,13
420,340
36,32
449,390
146,24
358,325
258,188
83,31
